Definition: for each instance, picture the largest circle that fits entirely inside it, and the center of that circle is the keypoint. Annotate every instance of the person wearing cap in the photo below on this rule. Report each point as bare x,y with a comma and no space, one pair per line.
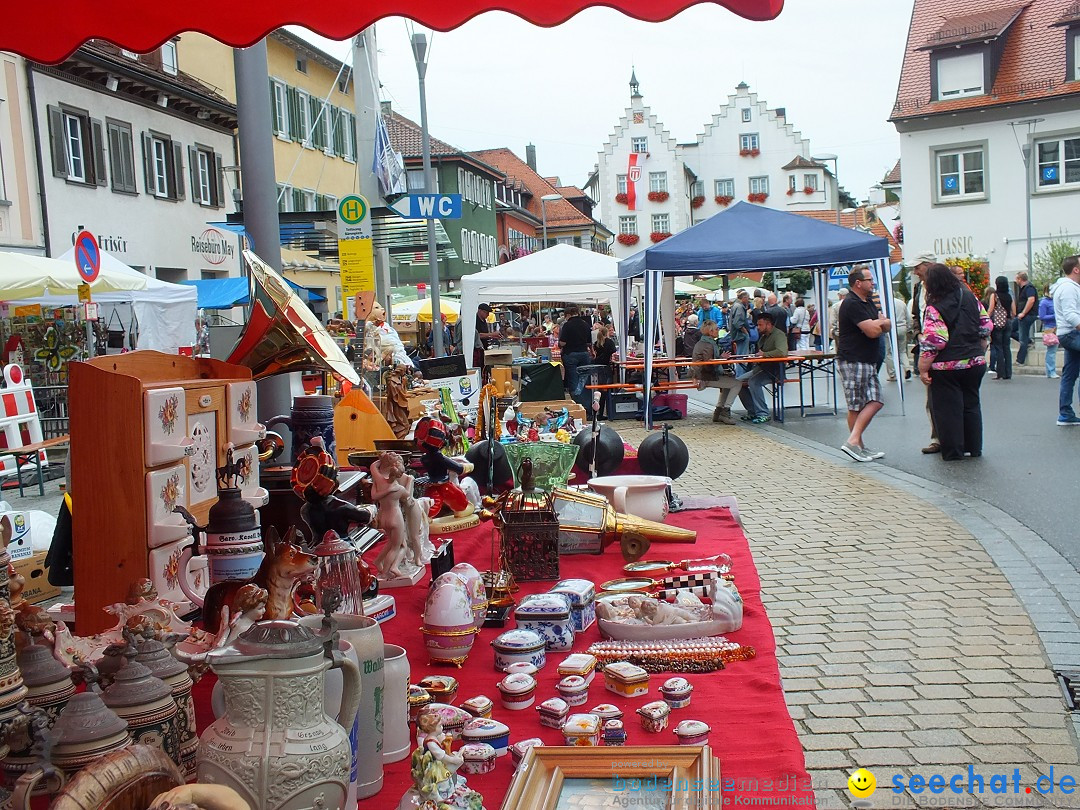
739,322
484,331
918,305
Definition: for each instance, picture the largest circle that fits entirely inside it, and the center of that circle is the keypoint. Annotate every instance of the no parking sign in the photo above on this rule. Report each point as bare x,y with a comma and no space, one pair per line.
87,256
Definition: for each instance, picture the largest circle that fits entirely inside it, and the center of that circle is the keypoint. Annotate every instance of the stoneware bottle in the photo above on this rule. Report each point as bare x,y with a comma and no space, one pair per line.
312,415
275,745
156,657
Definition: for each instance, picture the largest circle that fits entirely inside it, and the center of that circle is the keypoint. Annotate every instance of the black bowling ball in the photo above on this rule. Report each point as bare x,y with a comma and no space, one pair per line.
651,455
609,452
478,456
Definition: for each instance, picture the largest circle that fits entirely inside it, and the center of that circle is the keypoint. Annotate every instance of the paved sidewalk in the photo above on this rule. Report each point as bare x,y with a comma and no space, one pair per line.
902,646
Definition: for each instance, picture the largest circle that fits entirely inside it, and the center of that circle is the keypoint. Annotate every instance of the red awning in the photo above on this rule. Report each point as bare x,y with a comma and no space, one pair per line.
49,31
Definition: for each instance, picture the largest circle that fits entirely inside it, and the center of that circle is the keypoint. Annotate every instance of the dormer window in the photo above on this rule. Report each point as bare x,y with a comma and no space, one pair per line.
960,74
168,58
1072,38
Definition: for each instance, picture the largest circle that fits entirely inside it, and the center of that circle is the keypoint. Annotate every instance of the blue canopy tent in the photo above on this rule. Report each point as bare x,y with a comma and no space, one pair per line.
226,293
752,238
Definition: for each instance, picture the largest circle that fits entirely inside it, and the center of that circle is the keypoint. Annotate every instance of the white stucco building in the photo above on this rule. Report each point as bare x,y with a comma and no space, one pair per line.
135,150
747,152
982,85
20,213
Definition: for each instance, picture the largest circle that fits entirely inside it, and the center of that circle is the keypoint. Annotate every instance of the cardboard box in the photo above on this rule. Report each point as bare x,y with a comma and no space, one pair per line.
33,570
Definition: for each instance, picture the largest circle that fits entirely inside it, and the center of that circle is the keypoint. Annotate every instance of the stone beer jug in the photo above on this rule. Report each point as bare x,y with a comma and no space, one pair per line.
395,708
85,731
156,657
146,703
312,415
275,745
50,687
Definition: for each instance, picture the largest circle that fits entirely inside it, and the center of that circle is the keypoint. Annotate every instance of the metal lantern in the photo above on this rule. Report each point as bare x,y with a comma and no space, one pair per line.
530,529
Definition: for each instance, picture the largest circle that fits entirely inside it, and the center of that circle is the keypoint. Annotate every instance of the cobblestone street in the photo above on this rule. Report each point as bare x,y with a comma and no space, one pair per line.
902,646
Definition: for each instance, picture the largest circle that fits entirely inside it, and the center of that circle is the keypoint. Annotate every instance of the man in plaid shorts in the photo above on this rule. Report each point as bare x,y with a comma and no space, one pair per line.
861,325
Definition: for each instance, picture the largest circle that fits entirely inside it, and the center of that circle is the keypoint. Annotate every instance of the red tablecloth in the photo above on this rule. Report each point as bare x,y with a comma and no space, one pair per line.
752,732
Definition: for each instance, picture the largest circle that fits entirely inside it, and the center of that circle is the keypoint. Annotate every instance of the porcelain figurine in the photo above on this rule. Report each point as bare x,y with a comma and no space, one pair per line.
434,772
315,479
430,438
398,562
388,338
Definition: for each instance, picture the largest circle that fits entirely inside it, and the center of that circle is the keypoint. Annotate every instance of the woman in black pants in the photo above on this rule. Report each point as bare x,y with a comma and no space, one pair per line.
952,361
1000,348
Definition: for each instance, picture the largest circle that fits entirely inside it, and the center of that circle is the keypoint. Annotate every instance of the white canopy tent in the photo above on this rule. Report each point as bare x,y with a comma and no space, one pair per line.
559,273
165,312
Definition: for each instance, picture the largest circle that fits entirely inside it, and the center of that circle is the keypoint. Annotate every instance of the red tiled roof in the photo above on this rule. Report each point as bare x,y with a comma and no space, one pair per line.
799,162
980,26
559,212
894,175
859,218
407,137
149,65
1032,64
570,191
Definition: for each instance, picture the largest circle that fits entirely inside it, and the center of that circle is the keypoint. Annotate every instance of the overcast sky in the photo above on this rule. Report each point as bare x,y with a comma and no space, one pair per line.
499,81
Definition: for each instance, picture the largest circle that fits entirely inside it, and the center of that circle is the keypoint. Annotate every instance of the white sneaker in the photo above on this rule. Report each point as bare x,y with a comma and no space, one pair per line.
856,452
874,454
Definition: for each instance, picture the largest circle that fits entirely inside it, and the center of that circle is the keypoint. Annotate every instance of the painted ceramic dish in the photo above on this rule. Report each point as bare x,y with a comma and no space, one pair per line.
486,730
676,692
692,732
582,729
654,716
628,680
453,718
573,689
582,595
553,712
549,615
519,645
442,688
517,691
479,758
479,706
518,749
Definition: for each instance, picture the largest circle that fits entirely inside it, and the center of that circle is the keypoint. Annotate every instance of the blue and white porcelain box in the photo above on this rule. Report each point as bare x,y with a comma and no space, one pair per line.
549,615
582,595
519,645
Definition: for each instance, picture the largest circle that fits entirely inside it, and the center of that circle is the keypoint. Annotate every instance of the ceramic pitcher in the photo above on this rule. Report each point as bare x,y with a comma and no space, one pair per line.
275,745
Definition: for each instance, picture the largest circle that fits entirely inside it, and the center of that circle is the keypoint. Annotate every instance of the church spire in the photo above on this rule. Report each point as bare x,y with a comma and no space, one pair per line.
635,93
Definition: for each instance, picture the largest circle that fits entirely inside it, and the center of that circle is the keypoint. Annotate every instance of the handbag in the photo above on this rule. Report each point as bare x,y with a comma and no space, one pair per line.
114,337
1050,339
999,316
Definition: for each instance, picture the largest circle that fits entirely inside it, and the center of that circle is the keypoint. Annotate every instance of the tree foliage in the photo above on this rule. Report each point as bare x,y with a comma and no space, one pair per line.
799,281
1046,267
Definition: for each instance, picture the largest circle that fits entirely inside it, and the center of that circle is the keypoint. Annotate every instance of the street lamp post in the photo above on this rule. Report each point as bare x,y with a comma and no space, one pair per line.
543,212
836,176
1025,153
419,49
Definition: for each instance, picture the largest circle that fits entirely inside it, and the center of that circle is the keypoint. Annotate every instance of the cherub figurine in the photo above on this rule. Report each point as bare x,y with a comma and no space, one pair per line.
392,490
431,436
434,771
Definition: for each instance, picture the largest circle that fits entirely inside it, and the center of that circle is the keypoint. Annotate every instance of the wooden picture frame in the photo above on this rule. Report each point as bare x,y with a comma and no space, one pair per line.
552,777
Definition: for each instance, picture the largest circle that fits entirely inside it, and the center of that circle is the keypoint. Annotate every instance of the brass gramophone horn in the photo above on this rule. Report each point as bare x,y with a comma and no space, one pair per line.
282,334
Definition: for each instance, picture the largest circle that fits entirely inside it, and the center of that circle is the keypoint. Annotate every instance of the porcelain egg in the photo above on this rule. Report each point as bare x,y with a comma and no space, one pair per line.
474,584
449,629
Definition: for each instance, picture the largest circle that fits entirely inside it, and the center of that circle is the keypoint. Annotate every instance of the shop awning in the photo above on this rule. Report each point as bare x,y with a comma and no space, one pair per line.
47,32
226,293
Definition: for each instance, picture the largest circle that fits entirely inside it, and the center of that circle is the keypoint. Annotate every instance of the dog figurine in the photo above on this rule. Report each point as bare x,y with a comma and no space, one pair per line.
284,564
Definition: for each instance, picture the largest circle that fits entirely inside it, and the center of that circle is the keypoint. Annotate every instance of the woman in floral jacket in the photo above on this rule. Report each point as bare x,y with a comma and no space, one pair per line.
952,359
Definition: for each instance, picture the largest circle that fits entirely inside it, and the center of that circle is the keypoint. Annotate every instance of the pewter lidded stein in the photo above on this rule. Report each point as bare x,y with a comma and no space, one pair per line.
156,657
276,746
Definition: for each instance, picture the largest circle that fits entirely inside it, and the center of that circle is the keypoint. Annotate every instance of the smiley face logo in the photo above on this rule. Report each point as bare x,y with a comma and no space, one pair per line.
862,783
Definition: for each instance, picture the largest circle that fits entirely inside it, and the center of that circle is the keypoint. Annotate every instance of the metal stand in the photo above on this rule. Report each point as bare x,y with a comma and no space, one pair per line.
674,502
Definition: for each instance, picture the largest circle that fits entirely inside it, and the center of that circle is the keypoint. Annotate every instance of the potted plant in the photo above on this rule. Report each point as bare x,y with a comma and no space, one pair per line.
744,153
724,199
622,198
755,152
659,236
698,201
808,190
790,192
628,238
658,196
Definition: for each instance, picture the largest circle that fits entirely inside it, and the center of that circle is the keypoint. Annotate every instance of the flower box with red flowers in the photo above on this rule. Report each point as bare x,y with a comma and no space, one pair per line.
749,152
659,236
658,196
628,238
755,197
724,199
790,192
622,198
755,152
808,190
697,202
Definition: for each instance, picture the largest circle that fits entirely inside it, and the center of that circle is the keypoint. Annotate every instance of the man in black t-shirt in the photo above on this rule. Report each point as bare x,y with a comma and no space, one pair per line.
574,339
1027,307
861,326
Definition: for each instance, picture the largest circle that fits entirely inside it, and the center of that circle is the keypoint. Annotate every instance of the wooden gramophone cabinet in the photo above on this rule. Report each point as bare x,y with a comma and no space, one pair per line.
148,431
